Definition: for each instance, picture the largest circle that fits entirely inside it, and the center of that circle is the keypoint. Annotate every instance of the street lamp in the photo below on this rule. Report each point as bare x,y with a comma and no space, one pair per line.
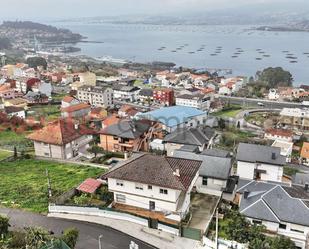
100,237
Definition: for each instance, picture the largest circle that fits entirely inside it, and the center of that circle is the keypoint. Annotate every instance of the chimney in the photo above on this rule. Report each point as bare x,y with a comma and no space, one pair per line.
273,155
176,172
246,194
307,186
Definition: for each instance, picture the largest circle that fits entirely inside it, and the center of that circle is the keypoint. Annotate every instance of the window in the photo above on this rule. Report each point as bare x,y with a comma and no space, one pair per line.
120,198
205,180
163,191
149,187
139,186
282,226
297,231
46,154
119,183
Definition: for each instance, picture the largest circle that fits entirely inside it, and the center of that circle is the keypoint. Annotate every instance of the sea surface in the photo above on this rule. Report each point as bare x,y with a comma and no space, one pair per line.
240,48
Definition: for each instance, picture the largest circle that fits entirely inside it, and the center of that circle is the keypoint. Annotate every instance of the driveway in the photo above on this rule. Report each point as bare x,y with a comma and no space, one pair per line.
203,207
88,232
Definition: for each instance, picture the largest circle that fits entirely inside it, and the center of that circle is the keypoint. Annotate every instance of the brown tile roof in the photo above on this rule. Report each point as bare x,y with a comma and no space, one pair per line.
68,99
59,132
279,132
77,107
305,150
158,171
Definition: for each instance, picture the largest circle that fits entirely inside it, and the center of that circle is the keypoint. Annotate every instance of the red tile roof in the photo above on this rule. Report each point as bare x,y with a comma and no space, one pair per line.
279,132
77,107
89,186
59,132
68,99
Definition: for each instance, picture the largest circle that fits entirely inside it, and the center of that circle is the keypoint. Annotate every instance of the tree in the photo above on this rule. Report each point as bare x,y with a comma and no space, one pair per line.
95,149
15,153
4,225
275,77
279,242
70,237
36,237
34,62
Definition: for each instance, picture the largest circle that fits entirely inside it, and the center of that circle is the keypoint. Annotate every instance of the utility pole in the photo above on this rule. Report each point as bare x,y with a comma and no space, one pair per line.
48,184
217,227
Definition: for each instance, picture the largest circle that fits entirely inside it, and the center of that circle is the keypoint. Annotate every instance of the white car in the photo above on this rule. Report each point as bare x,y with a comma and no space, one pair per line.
260,104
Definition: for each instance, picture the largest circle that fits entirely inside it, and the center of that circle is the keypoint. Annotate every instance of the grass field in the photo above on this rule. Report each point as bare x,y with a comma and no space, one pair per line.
4,154
230,113
24,183
9,139
49,112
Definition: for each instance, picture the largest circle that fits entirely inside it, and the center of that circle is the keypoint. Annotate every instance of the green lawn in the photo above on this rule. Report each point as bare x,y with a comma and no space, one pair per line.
230,113
49,112
24,183
9,139
4,154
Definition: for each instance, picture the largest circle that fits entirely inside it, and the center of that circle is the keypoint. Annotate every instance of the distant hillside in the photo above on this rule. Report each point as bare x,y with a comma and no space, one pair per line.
43,32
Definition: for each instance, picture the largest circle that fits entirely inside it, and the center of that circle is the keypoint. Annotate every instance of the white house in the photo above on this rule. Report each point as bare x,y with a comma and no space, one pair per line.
214,172
281,209
199,101
61,139
69,101
273,94
96,96
260,162
126,92
194,137
160,184
15,111
286,148
274,134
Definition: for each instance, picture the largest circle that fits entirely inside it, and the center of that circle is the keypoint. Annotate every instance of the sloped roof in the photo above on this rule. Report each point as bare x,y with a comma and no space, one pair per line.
68,99
59,132
213,167
259,153
190,136
305,150
89,186
12,109
216,153
275,202
158,171
77,107
127,129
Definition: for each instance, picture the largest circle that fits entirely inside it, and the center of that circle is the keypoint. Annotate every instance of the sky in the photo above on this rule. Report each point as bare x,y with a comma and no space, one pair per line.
53,9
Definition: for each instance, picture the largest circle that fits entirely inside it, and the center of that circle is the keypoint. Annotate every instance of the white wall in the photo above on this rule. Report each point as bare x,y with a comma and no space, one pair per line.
245,170
213,187
299,238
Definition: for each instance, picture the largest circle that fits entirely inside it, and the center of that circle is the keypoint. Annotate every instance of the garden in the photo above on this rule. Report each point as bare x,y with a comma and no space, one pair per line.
235,227
24,181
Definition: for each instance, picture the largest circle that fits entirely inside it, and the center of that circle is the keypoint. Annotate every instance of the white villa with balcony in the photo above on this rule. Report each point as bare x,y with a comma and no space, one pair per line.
155,183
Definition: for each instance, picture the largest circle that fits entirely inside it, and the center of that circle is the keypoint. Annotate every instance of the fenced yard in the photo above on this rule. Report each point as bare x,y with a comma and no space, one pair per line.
24,182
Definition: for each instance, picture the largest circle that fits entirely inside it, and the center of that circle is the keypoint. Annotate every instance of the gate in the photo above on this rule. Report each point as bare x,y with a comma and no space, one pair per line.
191,233
153,223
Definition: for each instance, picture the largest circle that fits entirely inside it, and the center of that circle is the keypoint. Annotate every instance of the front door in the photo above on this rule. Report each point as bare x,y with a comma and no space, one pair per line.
152,205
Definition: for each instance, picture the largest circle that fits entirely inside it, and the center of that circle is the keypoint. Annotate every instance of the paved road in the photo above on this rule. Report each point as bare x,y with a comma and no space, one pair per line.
89,232
254,102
